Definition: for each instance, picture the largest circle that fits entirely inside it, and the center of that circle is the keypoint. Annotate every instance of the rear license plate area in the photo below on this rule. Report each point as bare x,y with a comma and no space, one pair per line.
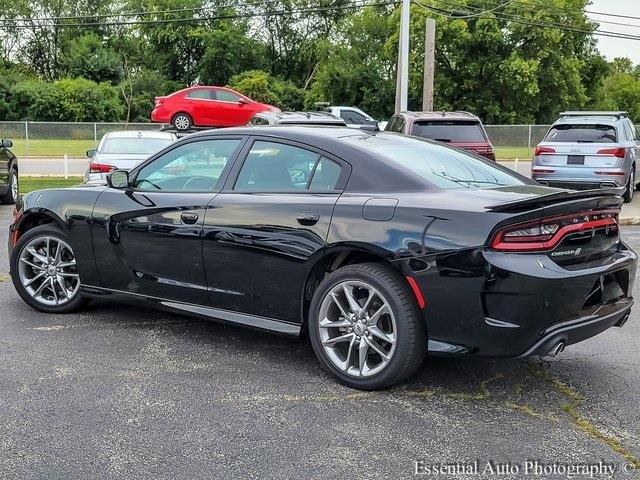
575,160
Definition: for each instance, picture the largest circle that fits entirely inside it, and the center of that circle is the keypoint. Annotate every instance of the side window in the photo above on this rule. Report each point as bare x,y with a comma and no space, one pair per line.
192,167
352,117
258,121
391,124
325,176
201,93
271,166
400,125
627,131
636,137
226,96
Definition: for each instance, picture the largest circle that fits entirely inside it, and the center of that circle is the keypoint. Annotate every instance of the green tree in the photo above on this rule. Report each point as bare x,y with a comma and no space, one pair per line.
87,57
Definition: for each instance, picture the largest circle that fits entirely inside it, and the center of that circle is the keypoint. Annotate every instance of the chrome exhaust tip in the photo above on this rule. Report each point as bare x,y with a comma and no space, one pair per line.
608,185
557,349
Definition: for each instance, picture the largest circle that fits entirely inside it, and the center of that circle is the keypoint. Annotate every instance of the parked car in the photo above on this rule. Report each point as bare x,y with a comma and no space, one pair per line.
585,150
8,173
296,118
353,116
123,150
378,246
458,129
206,107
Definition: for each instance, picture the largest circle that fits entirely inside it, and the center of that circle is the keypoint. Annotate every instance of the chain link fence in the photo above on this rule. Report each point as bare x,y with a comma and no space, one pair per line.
56,139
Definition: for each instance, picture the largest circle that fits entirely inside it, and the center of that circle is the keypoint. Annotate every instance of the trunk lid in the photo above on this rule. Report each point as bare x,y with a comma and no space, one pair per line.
579,155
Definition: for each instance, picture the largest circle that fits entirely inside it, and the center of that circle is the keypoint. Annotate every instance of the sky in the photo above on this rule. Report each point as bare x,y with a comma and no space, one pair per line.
615,47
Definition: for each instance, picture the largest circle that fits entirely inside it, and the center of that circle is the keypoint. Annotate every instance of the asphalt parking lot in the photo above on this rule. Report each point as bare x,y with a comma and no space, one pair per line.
124,392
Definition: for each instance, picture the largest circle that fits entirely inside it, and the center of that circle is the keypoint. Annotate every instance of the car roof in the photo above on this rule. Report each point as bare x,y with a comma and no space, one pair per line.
301,117
139,134
589,120
459,115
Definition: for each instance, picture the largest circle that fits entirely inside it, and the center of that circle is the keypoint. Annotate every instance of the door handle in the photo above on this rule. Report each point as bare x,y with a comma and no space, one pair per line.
308,218
189,217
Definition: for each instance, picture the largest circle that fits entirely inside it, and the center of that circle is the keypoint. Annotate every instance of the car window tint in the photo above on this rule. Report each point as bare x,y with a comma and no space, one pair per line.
192,167
449,131
439,164
325,176
201,93
271,166
399,127
627,131
352,117
579,133
226,96
133,145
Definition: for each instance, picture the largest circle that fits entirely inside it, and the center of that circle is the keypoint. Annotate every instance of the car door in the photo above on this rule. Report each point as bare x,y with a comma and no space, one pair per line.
232,112
147,238
264,231
203,107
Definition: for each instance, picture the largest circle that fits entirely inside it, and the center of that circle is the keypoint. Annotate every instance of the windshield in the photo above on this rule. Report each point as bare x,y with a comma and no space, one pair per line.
134,146
449,131
441,165
575,133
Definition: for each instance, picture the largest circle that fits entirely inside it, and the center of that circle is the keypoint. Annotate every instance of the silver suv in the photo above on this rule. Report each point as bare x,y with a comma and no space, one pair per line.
585,150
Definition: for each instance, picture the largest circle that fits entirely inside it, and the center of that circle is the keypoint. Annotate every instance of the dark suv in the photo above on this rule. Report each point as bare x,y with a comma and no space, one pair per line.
8,173
458,129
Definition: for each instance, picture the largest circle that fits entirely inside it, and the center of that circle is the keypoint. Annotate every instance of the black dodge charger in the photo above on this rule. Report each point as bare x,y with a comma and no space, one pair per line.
379,247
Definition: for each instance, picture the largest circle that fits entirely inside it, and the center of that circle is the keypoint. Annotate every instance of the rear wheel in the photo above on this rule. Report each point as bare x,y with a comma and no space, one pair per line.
181,121
12,194
44,271
365,327
631,186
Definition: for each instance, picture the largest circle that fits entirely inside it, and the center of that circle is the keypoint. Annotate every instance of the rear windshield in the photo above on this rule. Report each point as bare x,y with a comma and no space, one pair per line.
441,165
577,133
135,146
449,131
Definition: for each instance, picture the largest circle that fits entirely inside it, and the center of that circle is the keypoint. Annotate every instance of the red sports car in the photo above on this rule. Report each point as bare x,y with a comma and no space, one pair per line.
206,107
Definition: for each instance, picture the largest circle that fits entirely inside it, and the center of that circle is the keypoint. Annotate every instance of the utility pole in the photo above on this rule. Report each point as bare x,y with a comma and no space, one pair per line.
429,65
402,76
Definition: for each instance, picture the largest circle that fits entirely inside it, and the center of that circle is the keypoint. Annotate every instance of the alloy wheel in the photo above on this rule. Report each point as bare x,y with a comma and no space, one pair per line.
182,122
357,328
14,186
48,272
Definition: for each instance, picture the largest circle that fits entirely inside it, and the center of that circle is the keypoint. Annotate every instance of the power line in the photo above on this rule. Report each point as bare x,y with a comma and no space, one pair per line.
360,4
534,7
526,21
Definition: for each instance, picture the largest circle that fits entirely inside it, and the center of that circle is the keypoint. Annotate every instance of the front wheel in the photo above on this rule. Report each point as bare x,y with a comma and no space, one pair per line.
365,326
44,270
11,196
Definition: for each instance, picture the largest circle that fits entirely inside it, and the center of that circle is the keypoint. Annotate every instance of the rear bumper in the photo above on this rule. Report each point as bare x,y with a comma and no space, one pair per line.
578,177
497,304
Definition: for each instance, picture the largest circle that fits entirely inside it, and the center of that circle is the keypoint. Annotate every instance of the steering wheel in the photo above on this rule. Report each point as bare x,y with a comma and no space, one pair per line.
298,175
206,181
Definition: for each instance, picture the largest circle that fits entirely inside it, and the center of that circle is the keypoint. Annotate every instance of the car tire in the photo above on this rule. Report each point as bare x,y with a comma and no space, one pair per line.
400,323
41,264
11,196
182,122
631,186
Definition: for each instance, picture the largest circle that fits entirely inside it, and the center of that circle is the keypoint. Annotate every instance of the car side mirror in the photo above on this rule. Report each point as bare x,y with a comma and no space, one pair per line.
6,143
118,179
91,153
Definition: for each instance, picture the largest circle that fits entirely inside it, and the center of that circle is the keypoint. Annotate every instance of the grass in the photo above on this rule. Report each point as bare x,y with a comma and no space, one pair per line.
52,147
29,184
78,148
510,153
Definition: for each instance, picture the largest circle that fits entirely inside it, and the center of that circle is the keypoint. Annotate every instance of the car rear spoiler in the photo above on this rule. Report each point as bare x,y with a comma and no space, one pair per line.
551,198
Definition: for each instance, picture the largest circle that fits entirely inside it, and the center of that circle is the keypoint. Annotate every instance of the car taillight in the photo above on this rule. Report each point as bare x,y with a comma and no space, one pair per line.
613,152
542,150
95,167
546,233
